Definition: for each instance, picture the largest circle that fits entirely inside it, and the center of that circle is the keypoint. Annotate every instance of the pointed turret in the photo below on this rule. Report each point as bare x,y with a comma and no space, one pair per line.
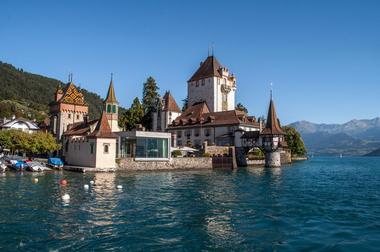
111,97
111,107
170,104
103,129
272,126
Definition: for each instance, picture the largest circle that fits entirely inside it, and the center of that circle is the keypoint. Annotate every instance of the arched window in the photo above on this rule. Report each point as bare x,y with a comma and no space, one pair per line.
108,108
106,148
113,108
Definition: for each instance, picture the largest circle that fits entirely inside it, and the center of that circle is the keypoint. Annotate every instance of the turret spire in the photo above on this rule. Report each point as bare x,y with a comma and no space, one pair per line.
111,97
272,126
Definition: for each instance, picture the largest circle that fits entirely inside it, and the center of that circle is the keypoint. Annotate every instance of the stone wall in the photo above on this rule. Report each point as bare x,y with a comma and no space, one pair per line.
129,164
214,150
286,157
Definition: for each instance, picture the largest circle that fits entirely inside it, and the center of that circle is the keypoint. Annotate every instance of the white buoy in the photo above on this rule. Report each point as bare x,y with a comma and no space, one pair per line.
35,180
119,187
92,182
66,197
86,187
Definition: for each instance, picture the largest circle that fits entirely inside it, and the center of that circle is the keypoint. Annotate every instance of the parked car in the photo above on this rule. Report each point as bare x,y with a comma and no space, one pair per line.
55,163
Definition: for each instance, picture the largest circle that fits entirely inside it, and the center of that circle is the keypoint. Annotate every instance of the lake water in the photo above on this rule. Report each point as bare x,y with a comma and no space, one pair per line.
321,204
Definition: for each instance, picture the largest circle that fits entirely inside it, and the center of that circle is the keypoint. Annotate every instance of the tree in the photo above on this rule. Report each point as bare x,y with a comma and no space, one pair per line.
185,104
132,116
295,142
241,107
149,102
34,143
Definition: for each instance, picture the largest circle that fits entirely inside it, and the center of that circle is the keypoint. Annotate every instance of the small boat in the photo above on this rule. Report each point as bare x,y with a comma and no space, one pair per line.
55,163
36,166
18,165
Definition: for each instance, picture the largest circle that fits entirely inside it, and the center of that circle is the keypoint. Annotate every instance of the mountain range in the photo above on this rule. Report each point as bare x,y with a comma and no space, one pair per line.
356,137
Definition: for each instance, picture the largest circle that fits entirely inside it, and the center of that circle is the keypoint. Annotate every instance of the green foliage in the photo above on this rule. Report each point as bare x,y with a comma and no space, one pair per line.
30,94
176,153
295,142
185,104
132,116
34,143
9,108
149,101
241,107
256,154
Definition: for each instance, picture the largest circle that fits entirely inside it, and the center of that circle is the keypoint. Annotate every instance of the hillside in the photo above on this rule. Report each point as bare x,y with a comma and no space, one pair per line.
356,137
28,95
375,153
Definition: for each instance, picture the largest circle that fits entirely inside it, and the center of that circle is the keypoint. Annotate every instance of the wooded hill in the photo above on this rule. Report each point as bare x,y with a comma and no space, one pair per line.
28,95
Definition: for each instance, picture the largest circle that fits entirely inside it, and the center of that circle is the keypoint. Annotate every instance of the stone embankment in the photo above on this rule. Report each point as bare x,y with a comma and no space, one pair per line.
183,163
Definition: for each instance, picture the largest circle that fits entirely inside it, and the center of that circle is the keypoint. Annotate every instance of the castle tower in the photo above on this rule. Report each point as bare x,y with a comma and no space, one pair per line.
111,108
273,138
168,111
67,108
213,84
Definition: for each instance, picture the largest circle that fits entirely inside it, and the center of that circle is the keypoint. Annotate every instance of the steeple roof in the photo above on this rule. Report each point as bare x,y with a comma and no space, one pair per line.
209,68
272,126
170,104
103,129
111,97
71,95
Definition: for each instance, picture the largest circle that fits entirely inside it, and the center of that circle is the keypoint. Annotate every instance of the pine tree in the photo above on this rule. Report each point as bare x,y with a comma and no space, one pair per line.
149,102
185,104
132,116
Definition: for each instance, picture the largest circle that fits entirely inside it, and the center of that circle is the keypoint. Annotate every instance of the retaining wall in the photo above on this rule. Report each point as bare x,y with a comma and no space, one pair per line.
183,163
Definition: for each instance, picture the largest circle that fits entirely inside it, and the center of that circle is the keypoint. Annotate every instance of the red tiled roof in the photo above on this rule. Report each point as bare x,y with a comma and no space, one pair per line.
199,114
272,126
80,128
170,104
103,129
71,95
209,68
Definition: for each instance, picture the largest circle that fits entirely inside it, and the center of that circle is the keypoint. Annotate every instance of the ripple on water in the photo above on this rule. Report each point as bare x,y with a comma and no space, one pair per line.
321,204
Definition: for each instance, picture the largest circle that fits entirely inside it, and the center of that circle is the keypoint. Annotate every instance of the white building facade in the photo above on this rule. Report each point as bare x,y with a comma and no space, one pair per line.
214,84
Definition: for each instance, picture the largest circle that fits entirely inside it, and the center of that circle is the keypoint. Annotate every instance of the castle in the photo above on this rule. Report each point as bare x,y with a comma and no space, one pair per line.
211,115
209,119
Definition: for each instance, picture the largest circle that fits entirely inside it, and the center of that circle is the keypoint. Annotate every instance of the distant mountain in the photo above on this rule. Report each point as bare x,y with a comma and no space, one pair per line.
375,153
356,137
28,95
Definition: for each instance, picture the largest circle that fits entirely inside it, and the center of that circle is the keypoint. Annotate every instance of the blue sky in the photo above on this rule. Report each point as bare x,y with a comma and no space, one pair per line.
323,57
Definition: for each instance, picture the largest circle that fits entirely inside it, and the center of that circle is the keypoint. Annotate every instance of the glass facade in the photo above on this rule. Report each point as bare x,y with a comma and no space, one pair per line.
152,147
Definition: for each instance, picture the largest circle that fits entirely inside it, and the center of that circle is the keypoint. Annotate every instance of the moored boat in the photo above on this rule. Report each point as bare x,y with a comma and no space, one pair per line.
55,163
36,166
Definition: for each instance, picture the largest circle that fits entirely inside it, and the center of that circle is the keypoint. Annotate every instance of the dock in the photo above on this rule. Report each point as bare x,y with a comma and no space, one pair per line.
87,169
